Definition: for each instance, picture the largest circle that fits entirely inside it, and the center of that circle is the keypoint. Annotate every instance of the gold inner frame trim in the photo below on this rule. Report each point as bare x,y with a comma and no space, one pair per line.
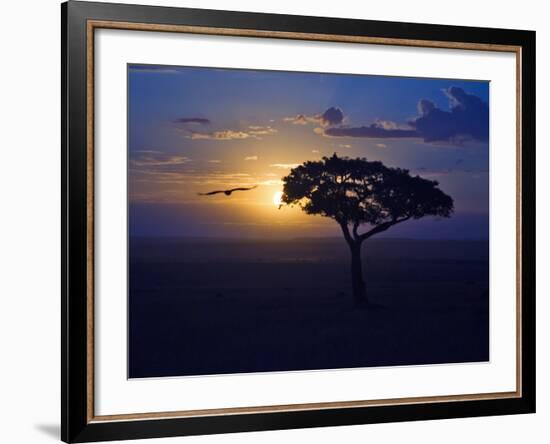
97,24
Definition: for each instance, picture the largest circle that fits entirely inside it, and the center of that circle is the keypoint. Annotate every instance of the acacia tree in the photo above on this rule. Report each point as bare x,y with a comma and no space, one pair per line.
357,192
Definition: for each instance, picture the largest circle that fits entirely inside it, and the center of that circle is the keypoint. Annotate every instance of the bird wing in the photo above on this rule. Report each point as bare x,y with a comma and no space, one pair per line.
211,193
243,188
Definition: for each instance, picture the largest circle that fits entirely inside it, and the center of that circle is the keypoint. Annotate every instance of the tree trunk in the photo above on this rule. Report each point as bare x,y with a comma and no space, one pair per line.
358,284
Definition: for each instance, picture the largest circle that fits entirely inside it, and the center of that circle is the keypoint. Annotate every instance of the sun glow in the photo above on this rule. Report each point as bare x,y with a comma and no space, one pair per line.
277,198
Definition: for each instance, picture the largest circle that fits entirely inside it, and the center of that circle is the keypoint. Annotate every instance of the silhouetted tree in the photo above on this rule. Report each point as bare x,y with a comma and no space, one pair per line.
357,192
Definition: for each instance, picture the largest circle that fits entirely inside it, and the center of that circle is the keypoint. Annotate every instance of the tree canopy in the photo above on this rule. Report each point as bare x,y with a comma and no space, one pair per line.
356,192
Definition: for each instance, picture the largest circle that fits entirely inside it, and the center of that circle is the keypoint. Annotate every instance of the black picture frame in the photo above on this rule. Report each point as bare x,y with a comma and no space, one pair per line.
76,423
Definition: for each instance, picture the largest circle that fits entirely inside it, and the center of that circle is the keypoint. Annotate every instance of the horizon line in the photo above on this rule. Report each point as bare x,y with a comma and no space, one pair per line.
234,238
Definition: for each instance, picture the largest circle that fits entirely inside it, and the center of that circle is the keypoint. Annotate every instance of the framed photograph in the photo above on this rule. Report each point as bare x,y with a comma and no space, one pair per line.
276,221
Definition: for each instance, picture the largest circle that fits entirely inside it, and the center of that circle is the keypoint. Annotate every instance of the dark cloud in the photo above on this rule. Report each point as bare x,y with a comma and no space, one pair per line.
193,120
373,131
468,118
332,116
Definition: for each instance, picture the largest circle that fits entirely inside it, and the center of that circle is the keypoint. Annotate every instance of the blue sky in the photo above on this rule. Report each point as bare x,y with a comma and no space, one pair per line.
193,130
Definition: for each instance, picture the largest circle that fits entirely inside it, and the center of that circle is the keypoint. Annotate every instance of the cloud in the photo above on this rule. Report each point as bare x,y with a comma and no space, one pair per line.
220,135
150,158
381,145
156,166
192,177
252,132
193,120
373,131
314,151
251,158
214,161
332,116
468,118
255,130
284,165
390,125
344,145
300,119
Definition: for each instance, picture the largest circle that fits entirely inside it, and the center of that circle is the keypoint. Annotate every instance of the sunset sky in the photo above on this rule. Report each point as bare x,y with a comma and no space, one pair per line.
194,130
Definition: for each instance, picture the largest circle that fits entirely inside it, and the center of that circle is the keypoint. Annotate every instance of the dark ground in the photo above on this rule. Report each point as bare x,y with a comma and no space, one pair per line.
201,306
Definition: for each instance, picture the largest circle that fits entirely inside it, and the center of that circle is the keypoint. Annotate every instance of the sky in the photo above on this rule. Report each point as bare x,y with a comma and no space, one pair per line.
195,130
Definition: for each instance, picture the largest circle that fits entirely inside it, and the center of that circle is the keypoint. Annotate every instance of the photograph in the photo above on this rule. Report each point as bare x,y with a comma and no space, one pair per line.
296,221
278,220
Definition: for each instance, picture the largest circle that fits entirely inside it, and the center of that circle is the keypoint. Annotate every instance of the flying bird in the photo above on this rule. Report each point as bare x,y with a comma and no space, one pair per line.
227,192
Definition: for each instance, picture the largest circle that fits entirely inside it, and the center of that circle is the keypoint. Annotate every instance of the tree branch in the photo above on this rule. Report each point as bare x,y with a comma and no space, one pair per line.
382,227
347,235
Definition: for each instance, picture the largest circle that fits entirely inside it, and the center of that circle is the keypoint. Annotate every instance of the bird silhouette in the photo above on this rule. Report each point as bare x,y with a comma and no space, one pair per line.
227,192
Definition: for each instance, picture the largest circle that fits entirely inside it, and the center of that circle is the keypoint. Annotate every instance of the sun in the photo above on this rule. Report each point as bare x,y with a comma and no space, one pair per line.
277,198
